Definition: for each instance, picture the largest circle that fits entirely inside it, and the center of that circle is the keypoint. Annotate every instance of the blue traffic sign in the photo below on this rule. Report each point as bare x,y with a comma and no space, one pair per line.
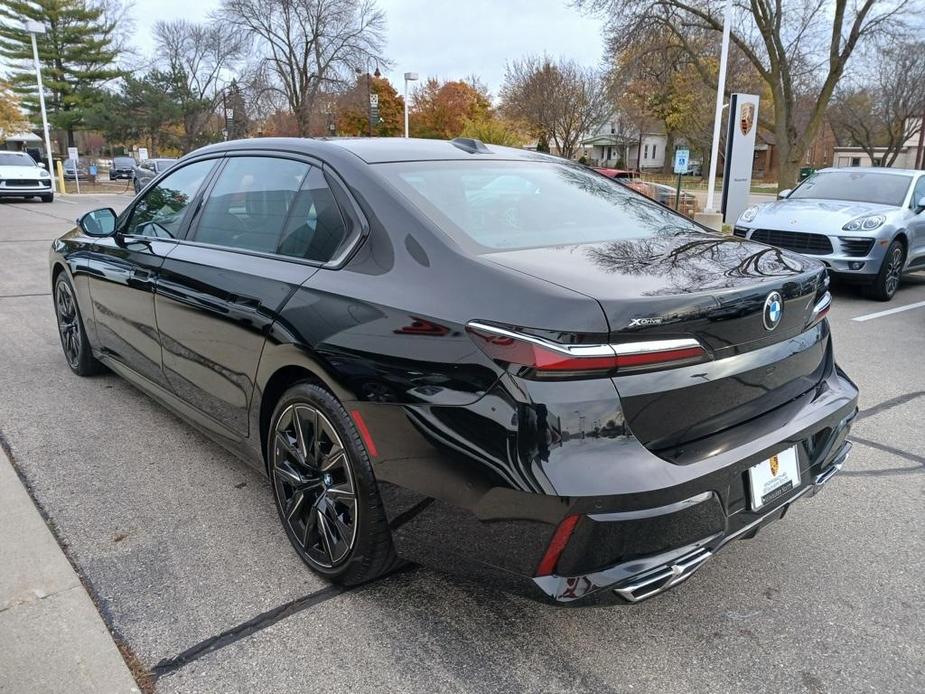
681,159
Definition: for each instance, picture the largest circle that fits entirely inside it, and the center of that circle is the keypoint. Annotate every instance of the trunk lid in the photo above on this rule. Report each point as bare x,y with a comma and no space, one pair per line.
713,288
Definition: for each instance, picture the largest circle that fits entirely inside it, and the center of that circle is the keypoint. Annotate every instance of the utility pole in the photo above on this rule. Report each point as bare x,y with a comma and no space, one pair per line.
718,111
38,28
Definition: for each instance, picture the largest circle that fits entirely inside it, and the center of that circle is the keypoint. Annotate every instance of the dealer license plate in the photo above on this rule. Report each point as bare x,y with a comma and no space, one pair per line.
773,478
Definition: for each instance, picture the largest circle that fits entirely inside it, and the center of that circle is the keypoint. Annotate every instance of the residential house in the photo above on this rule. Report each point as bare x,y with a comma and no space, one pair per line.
616,146
910,155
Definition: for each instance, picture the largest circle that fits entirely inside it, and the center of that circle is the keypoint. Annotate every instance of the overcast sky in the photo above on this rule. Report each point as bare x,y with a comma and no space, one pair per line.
449,39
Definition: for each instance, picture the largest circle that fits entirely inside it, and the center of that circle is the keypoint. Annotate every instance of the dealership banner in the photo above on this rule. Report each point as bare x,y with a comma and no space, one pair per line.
740,154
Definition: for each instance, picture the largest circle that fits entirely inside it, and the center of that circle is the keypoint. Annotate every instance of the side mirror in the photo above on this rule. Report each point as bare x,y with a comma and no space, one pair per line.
101,222
920,205
43,165
784,194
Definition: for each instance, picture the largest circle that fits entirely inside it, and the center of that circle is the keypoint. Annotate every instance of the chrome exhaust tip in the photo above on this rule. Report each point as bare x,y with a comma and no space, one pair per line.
664,577
830,471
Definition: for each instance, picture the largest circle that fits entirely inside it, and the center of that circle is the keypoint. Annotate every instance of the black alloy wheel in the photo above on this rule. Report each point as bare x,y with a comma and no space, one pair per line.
74,342
325,493
887,280
315,485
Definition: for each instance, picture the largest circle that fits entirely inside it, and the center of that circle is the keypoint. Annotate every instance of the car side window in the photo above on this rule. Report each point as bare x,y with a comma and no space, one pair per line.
918,192
161,211
250,203
315,228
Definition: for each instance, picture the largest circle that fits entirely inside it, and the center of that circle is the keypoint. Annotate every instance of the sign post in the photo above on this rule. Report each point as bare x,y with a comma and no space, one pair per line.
740,155
72,155
681,159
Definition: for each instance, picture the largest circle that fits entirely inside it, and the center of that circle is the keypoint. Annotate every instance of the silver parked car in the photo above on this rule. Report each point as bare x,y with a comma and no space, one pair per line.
149,169
865,224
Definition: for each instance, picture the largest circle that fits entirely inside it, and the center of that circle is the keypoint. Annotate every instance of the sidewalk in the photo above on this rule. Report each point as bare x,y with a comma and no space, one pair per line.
53,639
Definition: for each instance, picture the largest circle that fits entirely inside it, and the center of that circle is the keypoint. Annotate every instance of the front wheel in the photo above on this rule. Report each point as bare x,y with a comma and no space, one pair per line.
887,281
48,198
71,329
324,488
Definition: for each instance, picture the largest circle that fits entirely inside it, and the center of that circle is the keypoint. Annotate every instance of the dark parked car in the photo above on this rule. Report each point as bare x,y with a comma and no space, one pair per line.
475,357
149,169
122,167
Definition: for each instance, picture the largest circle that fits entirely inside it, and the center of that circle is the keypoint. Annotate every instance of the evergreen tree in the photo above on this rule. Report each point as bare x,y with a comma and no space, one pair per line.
145,110
76,54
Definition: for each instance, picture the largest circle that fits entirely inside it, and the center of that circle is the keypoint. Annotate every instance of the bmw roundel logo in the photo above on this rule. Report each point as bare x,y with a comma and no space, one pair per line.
773,310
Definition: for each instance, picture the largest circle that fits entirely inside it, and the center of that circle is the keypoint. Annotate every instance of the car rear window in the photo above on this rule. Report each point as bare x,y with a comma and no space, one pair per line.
524,204
855,186
123,161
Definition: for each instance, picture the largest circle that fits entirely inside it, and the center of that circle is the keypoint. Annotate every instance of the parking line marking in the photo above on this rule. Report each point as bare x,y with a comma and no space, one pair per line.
889,312
251,626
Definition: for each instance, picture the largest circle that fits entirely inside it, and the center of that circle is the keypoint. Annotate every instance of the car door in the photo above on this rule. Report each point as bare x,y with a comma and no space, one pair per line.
916,226
221,289
122,269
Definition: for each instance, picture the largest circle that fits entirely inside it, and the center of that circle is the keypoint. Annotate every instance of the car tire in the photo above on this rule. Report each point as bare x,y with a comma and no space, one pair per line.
887,281
325,491
48,198
77,352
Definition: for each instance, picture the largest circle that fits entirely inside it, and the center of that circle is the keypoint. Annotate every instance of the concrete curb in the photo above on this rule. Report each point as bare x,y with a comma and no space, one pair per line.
54,639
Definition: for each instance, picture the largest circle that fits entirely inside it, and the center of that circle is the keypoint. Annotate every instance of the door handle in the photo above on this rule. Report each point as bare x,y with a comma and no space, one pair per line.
141,274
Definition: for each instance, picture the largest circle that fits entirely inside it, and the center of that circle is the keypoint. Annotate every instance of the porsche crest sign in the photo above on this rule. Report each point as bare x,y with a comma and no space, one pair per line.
740,154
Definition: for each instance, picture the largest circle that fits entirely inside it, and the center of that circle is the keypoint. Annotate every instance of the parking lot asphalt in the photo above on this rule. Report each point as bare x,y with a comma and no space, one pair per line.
183,553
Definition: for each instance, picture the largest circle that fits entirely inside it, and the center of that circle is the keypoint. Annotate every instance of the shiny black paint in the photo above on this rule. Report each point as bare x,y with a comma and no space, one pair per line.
214,309
478,466
121,274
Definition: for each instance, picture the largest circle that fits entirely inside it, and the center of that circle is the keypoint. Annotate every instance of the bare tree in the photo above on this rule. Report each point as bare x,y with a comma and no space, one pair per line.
311,46
883,109
200,59
799,48
563,101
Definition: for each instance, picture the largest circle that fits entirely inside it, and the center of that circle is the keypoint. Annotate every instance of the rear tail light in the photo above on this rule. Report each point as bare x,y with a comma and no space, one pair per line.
545,358
820,310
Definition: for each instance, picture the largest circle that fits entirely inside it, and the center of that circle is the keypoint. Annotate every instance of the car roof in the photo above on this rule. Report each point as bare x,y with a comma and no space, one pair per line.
376,150
874,169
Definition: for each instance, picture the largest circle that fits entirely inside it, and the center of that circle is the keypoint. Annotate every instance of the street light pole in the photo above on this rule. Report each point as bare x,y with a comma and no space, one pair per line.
718,113
38,28
409,77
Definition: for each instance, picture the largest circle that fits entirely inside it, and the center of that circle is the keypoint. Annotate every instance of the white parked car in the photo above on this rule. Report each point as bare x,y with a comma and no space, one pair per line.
21,177
864,224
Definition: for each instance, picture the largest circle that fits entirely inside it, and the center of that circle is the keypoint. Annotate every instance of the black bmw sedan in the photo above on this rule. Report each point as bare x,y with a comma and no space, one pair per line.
484,359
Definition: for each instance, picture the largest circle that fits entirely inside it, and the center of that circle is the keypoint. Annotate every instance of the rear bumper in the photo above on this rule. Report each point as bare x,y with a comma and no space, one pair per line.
645,577
484,493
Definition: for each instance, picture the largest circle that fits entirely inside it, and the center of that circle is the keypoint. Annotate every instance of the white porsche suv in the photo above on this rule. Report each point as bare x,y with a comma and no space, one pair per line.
21,177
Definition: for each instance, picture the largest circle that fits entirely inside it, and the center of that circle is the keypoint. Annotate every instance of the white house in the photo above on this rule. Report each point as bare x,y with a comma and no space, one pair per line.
615,145
855,156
